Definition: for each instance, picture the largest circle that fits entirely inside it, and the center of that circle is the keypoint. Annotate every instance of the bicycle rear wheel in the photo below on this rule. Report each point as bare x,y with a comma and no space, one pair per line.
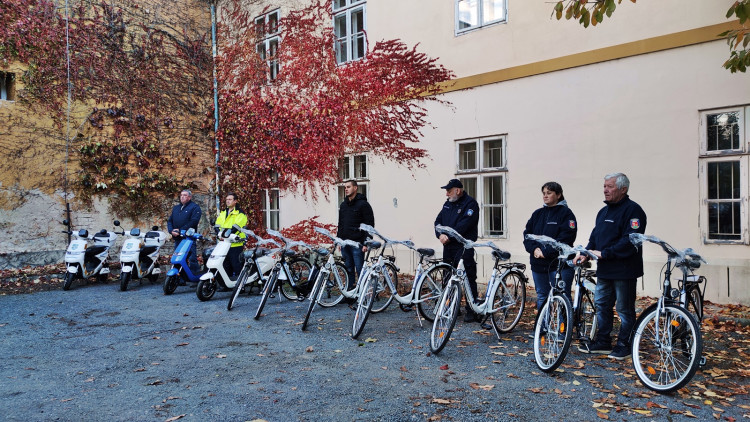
552,333
586,317
694,303
445,317
333,286
268,288
430,289
510,300
300,269
384,294
667,346
364,306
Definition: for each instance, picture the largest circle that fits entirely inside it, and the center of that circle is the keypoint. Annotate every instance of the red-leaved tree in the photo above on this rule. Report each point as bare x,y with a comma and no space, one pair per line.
291,132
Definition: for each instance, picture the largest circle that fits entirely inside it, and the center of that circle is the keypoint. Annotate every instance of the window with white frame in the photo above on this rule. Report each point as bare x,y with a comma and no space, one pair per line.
481,167
349,28
353,167
270,205
474,14
724,160
7,86
267,34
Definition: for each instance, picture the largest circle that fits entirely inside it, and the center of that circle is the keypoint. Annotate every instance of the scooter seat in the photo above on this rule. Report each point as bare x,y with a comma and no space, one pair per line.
95,250
373,244
148,250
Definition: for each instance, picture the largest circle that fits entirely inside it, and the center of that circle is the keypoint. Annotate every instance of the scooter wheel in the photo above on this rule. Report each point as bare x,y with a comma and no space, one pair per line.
69,277
170,284
124,280
206,289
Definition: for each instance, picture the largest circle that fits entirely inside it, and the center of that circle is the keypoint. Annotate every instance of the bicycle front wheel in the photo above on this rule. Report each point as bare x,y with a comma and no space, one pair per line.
364,306
430,289
384,293
552,333
268,288
333,286
445,317
313,297
667,347
510,301
241,280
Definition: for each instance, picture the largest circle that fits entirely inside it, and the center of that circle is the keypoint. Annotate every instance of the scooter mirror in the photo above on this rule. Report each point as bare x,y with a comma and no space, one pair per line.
155,228
65,222
116,223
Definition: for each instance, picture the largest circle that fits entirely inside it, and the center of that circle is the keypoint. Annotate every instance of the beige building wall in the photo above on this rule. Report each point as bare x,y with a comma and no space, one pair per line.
627,97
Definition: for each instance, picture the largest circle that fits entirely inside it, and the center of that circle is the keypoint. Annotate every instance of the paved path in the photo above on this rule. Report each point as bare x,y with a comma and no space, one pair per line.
95,353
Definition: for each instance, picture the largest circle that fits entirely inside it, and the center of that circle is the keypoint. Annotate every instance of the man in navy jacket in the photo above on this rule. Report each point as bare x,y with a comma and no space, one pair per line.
619,264
185,216
461,213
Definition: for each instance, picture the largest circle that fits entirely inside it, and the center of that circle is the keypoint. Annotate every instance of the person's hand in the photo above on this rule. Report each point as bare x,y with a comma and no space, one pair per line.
579,259
538,253
175,232
364,248
444,239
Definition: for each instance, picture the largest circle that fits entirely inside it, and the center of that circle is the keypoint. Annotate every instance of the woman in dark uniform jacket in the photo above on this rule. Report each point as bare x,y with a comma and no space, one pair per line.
557,221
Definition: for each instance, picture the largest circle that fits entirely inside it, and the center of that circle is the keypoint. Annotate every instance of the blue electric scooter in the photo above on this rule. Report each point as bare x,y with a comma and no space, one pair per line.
180,273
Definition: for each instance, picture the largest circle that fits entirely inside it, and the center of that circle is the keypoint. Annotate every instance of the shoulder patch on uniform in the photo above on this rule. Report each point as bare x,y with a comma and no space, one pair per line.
470,212
635,223
572,224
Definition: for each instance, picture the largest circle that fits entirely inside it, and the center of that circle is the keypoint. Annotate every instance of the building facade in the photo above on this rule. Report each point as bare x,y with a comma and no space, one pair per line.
536,99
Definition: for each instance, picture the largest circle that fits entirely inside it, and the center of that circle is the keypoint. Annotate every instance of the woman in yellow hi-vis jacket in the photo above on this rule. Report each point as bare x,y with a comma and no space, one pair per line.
228,217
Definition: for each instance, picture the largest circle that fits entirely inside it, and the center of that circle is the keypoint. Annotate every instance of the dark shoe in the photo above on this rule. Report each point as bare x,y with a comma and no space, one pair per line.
620,353
600,348
486,325
350,301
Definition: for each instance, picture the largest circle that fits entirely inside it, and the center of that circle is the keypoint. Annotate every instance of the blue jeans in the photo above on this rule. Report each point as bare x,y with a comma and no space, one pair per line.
354,258
543,284
608,293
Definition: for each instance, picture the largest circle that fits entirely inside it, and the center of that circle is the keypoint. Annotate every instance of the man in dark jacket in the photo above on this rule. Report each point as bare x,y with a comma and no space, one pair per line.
185,216
619,264
461,213
354,211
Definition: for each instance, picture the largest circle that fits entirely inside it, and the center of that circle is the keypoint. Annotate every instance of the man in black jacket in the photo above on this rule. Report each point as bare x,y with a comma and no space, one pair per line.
619,264
354,211
461,213
185,216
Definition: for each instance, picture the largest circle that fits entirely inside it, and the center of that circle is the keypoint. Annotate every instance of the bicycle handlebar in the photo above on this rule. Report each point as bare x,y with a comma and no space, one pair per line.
259,240
371,230
683,255
448,231
336,240
565,250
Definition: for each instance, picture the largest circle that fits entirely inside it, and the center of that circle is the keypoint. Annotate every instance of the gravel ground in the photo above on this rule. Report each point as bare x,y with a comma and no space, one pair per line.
95,353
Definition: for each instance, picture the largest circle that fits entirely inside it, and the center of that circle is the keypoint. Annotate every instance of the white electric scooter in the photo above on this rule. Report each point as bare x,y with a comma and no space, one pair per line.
87,256
216,275
139,255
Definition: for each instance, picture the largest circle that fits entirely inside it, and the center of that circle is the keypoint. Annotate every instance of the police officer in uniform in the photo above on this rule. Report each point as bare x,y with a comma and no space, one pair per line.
461,213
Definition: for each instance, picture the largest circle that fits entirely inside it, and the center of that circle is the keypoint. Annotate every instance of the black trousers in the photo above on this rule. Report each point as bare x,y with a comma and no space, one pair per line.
233,262
452,256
